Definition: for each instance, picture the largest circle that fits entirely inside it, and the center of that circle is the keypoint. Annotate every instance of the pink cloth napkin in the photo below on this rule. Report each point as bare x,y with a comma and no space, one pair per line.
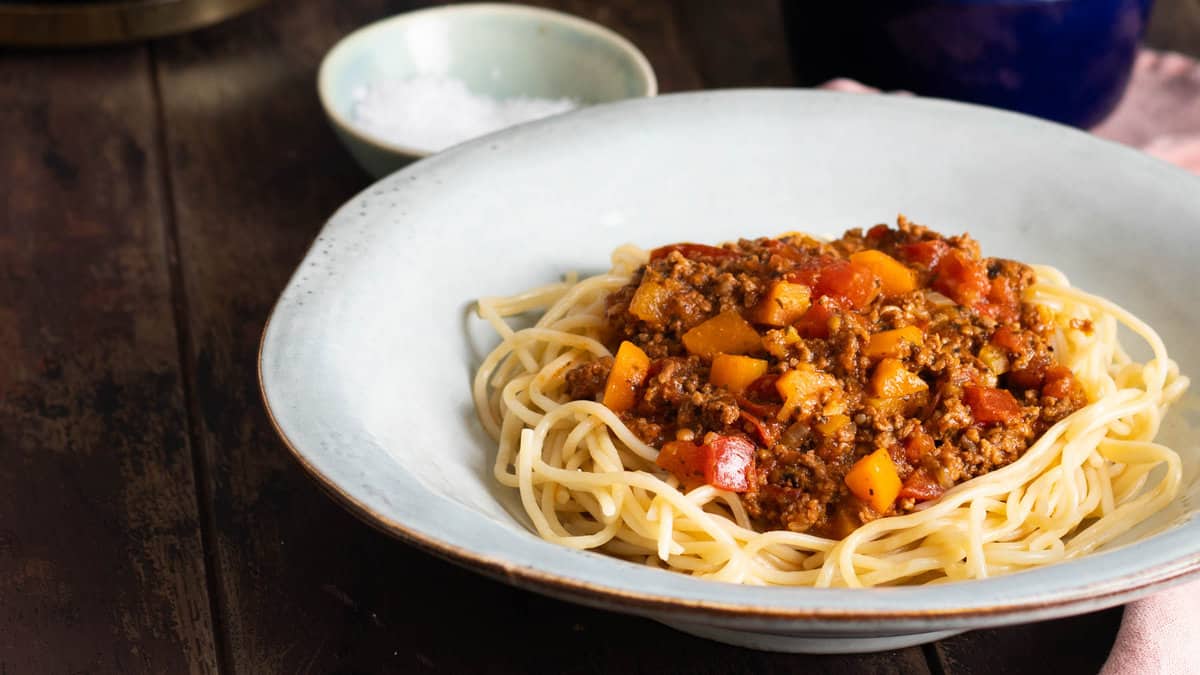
1160,114
1159,635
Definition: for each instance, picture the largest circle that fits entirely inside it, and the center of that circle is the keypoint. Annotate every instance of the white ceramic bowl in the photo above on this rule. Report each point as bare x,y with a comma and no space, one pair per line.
367,360
498,50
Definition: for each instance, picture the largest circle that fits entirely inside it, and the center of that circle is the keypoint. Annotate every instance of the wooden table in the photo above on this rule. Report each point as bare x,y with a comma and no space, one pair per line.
154,199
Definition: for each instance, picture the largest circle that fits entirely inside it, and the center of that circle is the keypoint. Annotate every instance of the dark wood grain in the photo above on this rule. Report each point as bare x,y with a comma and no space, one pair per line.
735,44
101,563
1074,646
652,26
255,172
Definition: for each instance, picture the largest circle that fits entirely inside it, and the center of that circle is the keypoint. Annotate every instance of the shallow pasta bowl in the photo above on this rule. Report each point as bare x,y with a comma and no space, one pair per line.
367,360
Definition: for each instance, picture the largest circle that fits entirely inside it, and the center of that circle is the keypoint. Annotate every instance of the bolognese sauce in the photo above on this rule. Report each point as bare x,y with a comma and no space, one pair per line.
830,382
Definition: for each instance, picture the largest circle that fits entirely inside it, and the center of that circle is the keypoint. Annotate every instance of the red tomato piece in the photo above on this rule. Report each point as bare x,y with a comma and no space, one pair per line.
815,322
785,251
1003,303
921,487
917,446
849,281
726,463
683,459
1027,378
809,272
990,405
1060,382
762,389
730,463
1060,388
962,279
692,251
1006,338
1057,372
764,432
878,232
926,253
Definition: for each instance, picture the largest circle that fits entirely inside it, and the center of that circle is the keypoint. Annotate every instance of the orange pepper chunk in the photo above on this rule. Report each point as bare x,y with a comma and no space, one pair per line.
802,389
832,424
891,342
874,480
725,333
628,372
892,380
897,279
783,304
735,372
648,301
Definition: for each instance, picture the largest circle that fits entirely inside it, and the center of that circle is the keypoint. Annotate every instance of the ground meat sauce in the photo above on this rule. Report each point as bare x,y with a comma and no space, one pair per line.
831,383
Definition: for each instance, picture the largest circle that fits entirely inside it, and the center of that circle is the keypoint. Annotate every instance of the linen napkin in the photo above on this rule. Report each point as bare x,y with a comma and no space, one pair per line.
1160,114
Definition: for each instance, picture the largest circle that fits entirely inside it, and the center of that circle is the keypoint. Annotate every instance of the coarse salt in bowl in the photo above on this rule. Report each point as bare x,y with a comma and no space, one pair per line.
417,83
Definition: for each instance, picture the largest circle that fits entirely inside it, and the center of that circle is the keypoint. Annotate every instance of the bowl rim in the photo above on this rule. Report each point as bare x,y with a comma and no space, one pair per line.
325,74
1071,600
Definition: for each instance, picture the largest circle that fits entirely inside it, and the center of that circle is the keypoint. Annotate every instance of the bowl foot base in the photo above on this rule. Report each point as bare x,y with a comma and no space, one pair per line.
809,643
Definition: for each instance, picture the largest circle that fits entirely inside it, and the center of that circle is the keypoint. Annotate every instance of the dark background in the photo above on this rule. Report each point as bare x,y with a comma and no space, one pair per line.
154,199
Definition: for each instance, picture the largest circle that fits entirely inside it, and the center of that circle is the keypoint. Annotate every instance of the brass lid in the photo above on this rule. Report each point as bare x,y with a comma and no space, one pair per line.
61,24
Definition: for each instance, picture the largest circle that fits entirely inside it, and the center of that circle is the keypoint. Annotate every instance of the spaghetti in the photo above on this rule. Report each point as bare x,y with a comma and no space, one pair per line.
588,481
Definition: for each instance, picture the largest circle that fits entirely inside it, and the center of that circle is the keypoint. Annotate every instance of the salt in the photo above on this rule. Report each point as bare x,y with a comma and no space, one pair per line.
433,112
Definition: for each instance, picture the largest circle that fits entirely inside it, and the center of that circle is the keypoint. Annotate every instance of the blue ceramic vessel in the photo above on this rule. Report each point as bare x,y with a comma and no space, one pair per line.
1064,60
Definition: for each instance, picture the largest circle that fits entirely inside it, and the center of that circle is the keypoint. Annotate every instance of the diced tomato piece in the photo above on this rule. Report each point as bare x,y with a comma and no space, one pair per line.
726,463
1060,383
783,250
683,459
815,322
1027,378
1057,372
962,279
730,463
809,271
918,445
843,280
926,253
1006,338
878,232
692,251
1032,376
921,487
762,389
1004,293
761,429
990,405
1060,388
1003,303
852,282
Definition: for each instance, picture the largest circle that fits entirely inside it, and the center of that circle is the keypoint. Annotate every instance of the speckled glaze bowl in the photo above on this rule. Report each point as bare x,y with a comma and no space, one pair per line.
496,50
367,360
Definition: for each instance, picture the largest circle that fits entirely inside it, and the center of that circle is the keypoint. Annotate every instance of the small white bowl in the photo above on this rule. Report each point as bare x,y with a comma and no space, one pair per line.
497,50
